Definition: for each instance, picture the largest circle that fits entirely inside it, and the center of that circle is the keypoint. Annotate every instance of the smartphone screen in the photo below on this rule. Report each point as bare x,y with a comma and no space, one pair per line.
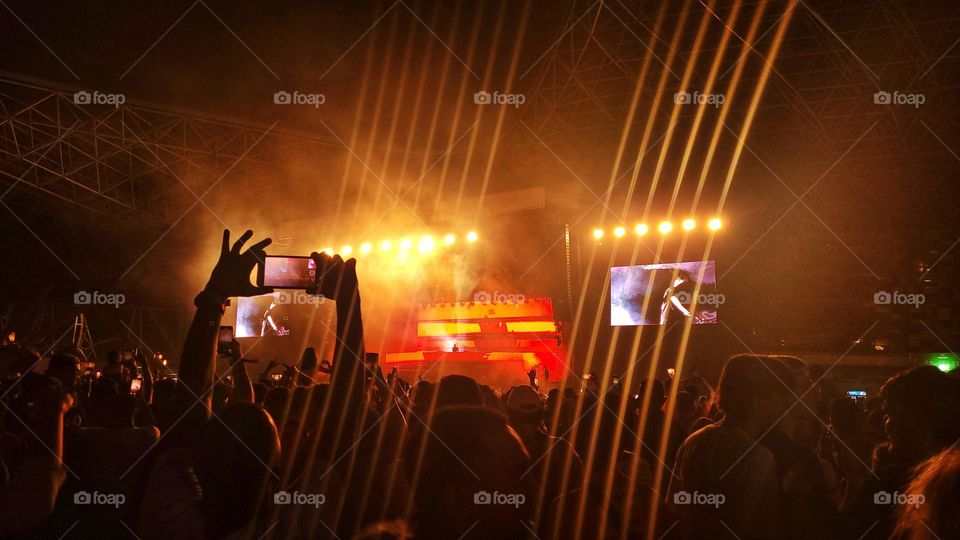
135,385
286,272
226,334
276,376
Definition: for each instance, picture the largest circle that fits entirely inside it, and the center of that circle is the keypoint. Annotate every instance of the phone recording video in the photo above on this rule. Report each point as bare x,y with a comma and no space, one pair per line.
224,339
135,385
287,272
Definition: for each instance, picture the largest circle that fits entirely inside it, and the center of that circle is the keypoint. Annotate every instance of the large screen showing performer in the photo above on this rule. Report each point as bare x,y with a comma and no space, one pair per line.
281,313
667,290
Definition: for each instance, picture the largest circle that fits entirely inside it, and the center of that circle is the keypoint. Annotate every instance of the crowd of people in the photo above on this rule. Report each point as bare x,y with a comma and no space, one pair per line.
340,450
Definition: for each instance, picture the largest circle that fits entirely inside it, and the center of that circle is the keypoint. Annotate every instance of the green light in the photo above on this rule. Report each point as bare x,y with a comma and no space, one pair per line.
945,362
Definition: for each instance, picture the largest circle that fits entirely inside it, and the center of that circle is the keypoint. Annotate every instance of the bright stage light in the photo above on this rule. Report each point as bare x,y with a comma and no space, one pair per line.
327,250
426,244
365,248
619,232
665,227
598,233
689,224
405,243
472,236
715,224
346,250
449,239
641,229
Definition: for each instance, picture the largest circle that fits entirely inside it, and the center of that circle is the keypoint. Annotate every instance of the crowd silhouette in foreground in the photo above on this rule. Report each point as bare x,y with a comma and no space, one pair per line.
774,452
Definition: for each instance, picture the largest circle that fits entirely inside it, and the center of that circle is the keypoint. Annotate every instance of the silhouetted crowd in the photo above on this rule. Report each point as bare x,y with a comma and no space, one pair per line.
342,450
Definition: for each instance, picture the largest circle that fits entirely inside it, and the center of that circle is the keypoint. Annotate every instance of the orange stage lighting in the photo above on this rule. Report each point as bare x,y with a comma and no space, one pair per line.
641,229
619,232
665,227
598,233
689,224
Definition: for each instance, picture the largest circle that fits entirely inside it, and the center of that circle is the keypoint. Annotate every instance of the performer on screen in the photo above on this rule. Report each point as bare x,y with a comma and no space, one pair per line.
269,325
672,308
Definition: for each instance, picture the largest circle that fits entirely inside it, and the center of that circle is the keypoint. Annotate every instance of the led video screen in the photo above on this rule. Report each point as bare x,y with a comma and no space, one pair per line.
670,288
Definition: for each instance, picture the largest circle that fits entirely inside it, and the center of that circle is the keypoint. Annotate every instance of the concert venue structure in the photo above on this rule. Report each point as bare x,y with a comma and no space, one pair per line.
579,196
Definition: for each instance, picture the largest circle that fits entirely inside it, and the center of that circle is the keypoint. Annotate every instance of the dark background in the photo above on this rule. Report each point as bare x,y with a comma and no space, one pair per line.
399,145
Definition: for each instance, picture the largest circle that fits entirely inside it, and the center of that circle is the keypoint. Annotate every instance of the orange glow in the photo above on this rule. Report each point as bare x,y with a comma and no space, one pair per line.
689,224
641,229
715,224
426,244
440,329
532,326
472,236
598,233
619,232
665,227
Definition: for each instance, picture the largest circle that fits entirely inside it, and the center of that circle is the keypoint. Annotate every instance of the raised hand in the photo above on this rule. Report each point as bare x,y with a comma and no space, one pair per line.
336,278
231,275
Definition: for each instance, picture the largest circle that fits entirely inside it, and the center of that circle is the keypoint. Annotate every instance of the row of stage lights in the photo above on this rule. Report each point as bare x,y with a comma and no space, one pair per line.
425,245
665,227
